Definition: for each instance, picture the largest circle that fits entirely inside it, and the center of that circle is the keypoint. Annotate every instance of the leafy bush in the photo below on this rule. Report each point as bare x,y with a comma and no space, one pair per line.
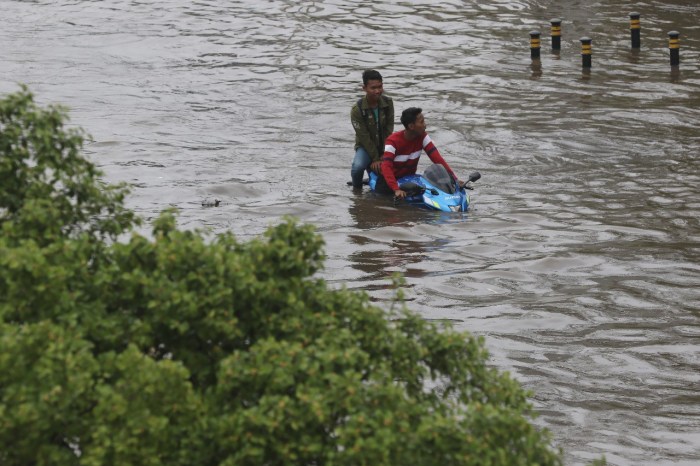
182,349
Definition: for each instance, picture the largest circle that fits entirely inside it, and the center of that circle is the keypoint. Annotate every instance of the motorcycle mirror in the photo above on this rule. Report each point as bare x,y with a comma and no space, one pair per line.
474,176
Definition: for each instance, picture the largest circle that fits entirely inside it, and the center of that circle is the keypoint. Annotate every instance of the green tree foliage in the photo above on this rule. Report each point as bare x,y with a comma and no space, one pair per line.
49,189
180,349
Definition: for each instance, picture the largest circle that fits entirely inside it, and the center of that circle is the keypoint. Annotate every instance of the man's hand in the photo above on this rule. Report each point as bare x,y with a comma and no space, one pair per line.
376,167
399,194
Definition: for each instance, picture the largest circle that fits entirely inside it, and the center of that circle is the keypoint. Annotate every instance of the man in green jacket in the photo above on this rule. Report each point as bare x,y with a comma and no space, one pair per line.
372,118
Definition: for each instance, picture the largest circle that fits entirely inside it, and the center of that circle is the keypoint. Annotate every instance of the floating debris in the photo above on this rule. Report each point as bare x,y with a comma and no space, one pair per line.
211,203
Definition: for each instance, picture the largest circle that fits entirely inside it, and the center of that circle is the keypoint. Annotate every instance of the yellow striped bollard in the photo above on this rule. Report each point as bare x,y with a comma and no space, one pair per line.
674,46
556,33
586,49
635,30
535,45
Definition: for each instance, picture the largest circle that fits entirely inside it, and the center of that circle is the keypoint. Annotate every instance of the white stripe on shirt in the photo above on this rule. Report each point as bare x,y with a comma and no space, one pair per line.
411,156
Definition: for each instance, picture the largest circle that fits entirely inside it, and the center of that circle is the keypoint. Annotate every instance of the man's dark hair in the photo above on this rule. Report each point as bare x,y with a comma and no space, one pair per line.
369,75
409,115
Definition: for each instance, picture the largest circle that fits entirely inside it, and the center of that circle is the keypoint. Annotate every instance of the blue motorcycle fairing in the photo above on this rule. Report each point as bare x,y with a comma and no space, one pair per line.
432,196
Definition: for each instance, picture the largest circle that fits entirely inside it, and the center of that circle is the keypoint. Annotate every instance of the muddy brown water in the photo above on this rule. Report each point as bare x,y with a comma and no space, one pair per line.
579,259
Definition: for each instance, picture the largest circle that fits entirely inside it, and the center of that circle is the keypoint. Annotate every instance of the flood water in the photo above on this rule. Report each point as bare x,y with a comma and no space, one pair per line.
579,260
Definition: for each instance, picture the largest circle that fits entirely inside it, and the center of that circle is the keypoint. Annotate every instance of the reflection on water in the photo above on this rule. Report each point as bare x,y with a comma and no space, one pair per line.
370,210
579,259
384,243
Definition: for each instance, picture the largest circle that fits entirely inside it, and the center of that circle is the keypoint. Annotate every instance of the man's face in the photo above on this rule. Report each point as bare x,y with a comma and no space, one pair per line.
419,126
374,89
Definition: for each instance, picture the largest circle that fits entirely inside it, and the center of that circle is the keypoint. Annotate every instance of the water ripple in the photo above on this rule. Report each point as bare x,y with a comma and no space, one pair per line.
579,257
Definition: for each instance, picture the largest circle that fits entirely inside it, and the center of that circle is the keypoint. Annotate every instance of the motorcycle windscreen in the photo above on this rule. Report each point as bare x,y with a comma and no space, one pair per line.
438,176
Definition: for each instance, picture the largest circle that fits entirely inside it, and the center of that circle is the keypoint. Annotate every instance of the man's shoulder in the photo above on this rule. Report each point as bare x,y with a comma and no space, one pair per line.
355,109
359,105
396,136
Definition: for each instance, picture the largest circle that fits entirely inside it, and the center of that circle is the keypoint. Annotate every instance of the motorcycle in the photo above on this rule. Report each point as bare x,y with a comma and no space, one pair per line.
434,189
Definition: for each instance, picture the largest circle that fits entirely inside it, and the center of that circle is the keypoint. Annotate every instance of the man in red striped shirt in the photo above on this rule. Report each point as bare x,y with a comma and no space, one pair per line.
402,150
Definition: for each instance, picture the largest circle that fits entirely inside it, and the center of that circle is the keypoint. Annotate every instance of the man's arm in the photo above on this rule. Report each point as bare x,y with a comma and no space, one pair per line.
388,169
390,118
362,136
376,165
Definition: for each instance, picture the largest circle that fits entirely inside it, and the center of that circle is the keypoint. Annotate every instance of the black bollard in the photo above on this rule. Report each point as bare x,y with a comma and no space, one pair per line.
556,33
674,45
586,52
535,45
635,30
